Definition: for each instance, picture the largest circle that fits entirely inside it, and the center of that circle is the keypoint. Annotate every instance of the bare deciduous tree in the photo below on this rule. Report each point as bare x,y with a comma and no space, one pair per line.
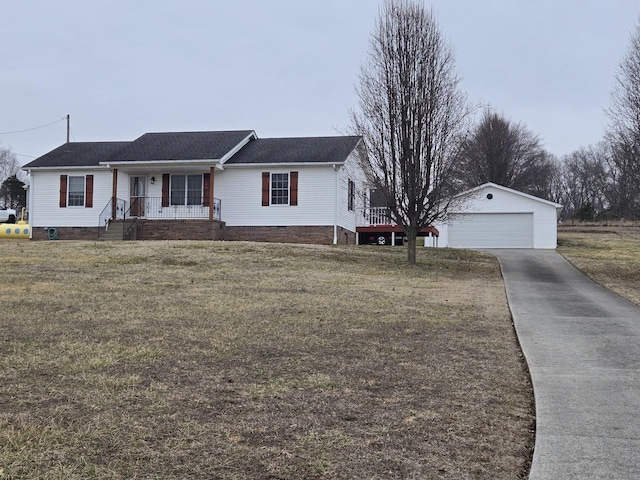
584,182
411,114
8,164
624,130
506,153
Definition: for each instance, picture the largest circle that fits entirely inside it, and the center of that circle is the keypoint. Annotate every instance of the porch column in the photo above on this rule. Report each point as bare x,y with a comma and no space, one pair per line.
114,193
212,171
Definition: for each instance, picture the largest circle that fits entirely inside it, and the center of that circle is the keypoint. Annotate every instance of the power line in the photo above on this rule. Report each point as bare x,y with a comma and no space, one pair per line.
34,128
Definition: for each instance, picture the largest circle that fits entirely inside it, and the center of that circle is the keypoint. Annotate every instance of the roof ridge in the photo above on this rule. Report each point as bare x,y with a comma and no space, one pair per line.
310,137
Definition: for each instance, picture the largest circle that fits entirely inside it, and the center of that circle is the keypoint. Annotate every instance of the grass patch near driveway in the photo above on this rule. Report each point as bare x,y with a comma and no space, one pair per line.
608,255
257,361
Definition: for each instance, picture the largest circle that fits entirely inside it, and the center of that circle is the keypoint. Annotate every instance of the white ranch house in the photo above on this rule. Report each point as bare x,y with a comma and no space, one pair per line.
199,185
232,185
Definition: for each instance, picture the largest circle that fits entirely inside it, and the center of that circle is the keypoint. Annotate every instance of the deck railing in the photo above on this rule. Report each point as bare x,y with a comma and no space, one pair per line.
377,216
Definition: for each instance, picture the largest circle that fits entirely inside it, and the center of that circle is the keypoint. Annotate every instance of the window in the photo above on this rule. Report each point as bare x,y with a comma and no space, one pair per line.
186,190
351,199
76,192
279,189
194,189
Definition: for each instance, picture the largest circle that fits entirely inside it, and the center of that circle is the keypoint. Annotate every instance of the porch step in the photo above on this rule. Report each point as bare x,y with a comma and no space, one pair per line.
114,232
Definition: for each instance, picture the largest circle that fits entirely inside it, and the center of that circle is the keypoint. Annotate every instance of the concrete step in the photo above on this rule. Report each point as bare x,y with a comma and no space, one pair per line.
114,232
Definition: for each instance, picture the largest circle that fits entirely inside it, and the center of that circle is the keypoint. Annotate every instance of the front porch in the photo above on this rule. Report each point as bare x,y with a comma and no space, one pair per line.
158,208
151,218
141,195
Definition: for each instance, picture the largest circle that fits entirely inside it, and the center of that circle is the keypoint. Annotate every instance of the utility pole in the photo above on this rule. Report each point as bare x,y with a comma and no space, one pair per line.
68,127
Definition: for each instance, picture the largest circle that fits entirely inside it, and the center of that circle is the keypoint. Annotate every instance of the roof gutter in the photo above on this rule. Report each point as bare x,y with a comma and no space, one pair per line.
68,167
285,164
159,163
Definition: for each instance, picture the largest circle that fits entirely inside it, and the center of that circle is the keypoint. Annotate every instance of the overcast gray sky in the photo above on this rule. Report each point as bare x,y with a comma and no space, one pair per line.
122,68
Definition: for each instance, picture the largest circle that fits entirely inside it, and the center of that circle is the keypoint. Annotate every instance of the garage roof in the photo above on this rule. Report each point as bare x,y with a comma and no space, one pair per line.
471,191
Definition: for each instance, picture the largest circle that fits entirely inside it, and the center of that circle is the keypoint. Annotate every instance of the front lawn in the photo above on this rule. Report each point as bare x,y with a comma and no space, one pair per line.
162,360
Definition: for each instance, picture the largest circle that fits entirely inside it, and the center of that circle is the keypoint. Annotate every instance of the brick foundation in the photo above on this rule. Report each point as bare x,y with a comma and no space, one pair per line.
180,230
212,230
321,235
66,233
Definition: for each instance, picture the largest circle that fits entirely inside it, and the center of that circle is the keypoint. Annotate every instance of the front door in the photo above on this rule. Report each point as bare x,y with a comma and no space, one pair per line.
138,196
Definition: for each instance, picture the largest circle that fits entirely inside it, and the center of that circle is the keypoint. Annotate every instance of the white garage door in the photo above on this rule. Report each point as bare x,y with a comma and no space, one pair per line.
492,230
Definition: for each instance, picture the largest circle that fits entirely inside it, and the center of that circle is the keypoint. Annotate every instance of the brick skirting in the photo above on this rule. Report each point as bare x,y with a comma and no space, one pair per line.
322,235
180,230
212,230
66,233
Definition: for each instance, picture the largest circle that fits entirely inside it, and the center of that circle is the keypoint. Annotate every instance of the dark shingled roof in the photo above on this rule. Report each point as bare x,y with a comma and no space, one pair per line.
181,146
78,154
295,150
153,147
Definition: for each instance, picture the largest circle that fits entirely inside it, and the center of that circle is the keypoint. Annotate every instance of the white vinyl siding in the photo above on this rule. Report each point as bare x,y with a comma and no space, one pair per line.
351,171
240,192
45,211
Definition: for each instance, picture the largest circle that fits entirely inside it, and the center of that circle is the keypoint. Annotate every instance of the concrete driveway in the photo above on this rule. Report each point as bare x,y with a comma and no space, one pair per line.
582,345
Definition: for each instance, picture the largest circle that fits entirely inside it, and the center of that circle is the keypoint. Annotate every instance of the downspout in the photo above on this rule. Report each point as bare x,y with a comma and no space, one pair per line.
335,219
30,203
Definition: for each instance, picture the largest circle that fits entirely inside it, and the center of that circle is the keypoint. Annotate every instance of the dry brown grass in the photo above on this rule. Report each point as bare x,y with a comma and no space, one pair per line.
257,361
610,255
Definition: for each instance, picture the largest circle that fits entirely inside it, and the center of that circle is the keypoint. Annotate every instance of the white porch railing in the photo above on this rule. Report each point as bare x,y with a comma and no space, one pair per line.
377,216
152,208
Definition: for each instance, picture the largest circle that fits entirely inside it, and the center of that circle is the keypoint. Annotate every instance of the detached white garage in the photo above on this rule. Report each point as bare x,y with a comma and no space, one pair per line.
492,216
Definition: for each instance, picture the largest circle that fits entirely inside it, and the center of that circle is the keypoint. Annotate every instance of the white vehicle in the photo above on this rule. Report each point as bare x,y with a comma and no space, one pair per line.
7,215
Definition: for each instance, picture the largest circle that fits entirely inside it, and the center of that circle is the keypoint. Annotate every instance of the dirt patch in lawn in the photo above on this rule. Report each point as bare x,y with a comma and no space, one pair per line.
257,361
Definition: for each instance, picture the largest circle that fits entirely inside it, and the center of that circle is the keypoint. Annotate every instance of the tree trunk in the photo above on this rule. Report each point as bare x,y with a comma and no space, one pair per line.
411,249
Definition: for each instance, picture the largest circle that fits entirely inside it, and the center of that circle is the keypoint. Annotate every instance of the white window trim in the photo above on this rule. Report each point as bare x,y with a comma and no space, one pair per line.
288,174
84,191
186,189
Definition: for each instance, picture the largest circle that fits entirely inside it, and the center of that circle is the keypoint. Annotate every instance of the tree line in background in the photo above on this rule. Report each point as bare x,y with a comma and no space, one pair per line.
598,182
